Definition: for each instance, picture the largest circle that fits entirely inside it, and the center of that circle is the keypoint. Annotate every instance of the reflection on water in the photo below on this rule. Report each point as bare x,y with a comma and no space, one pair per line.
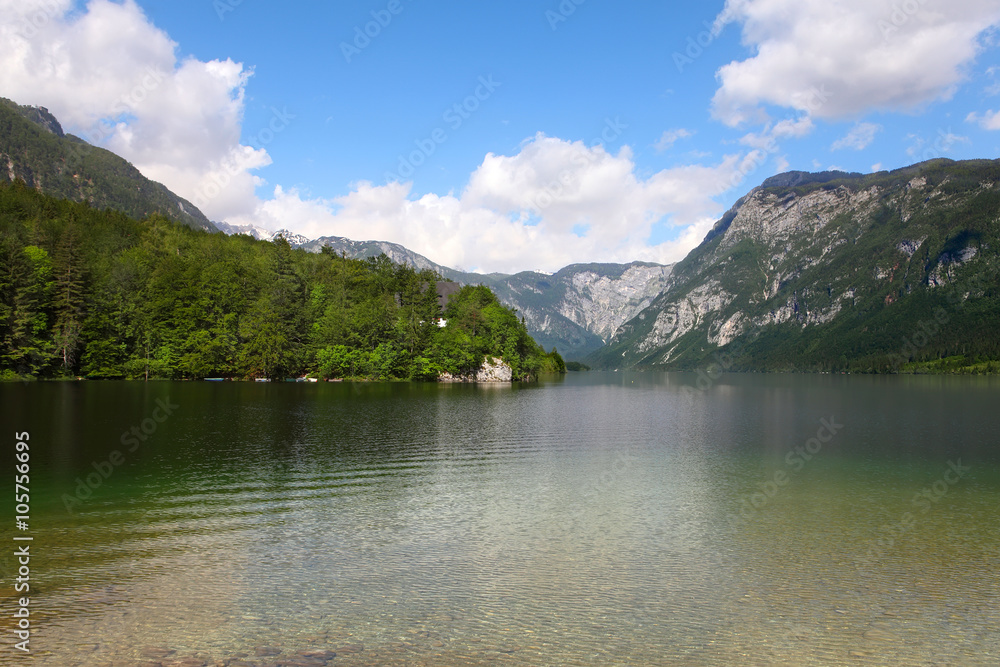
601,519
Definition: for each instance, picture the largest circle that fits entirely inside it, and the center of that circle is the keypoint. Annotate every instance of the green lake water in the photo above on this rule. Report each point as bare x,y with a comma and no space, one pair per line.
599,519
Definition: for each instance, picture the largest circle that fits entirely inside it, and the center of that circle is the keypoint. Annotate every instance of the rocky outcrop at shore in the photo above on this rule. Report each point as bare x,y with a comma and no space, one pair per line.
492,370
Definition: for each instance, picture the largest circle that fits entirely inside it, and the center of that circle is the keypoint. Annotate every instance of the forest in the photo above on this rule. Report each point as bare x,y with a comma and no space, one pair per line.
97,294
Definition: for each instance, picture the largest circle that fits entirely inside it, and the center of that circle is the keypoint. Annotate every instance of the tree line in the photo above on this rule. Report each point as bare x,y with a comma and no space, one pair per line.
94,293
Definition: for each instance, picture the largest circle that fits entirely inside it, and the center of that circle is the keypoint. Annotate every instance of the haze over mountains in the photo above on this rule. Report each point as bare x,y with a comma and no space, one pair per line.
819,271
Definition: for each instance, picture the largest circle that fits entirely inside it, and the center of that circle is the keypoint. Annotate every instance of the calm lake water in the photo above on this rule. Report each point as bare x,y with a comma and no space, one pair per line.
600,519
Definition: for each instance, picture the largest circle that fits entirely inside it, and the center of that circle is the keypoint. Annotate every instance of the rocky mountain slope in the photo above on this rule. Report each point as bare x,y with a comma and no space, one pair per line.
34,148
261,234
578,308
575,310
835,271
394,251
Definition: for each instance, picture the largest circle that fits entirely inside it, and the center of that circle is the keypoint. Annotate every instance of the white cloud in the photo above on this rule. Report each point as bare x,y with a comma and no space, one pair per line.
670,137
767,139
842,59
948,139
860,137
926,149
876,167
916,143
989,120
110,75
993,88
767,142
525,210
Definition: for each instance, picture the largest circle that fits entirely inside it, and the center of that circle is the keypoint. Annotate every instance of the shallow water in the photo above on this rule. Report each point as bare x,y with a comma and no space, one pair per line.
602,519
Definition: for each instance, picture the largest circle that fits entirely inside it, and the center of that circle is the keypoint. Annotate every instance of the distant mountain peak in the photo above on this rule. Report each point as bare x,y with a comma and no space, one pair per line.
575,309
261,234
292,238
831,271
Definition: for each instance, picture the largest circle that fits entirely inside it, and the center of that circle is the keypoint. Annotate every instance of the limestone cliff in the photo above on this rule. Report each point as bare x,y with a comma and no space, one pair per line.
822,271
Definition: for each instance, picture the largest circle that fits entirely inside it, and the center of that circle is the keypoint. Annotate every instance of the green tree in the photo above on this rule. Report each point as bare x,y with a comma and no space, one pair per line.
68,302
27,344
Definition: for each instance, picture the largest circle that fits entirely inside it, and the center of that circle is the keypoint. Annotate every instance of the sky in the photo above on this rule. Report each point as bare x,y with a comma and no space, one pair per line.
506,136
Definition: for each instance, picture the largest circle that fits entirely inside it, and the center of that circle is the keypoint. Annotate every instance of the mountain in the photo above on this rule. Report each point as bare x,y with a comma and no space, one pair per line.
394,251
34,148
261,234
893,271
252,231
578,308
92,292
575,310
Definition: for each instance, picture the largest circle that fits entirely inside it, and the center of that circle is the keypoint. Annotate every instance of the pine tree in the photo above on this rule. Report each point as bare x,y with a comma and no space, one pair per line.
68,298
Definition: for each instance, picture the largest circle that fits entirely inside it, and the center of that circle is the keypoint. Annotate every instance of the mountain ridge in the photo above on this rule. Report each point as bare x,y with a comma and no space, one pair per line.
833,272
35,149
575,309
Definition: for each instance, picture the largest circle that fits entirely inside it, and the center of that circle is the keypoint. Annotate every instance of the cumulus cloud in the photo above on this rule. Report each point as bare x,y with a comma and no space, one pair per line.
768,139
988,121
552,203
670,137
842,59
860,137
927,149
113,77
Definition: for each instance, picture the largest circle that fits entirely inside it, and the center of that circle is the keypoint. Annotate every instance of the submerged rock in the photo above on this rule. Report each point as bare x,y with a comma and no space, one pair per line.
156,652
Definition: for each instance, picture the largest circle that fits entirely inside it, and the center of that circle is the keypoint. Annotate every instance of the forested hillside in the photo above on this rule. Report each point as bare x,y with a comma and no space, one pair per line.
888,272
33,148
99,294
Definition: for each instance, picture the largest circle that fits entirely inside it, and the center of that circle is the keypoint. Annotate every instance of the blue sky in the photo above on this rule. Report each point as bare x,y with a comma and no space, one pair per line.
507,136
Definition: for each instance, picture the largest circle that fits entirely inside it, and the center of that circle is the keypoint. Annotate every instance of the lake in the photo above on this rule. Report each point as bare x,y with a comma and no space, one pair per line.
596,519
